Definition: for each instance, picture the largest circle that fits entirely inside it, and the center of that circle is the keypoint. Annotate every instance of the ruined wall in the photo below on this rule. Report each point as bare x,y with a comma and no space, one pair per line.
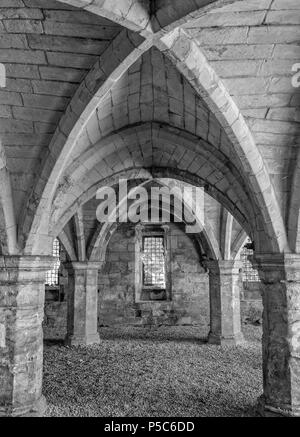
190,296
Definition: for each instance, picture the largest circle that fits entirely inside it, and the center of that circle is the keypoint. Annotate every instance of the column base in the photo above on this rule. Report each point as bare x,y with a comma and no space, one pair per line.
75,340
265,410
38,409
235,340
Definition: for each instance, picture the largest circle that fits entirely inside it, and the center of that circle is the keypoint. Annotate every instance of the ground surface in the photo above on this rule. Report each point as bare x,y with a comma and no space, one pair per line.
163,372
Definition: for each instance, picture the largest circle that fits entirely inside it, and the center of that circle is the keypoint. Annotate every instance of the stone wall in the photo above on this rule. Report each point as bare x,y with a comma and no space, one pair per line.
190,296
251,303
55,318
55,321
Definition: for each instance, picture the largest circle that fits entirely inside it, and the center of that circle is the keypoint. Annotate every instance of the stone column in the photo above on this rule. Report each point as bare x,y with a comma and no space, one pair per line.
225,313
83,305
22,295
280,275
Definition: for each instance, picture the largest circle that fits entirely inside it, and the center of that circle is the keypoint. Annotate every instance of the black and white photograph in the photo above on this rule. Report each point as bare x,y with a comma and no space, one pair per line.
149,211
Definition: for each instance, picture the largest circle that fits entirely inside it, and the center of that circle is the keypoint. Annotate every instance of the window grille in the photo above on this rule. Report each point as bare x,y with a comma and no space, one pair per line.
153,257
249,273
52,275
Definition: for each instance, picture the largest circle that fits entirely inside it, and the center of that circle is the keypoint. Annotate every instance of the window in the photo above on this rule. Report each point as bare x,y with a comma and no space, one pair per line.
52,275
249,273
154,271
152,263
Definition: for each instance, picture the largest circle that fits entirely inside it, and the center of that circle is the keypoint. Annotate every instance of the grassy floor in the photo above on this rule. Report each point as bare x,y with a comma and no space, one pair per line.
164,372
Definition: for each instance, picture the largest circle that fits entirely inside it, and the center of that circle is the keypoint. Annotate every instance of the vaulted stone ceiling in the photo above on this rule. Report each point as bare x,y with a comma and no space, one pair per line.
222,236
47,48
152,89
252,45
73,78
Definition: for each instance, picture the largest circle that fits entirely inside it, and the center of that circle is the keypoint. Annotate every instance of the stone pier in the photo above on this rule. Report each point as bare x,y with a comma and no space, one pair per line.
83,304
22,293
225,314
280,275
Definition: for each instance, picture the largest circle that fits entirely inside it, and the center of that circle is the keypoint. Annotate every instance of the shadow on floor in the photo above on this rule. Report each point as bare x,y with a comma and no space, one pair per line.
186,334
148,336
151,335
54,342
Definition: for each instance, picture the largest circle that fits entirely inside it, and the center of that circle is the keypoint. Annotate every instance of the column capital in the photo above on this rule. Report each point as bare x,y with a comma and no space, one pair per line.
86,265
277,258
223,267
26,261
24,268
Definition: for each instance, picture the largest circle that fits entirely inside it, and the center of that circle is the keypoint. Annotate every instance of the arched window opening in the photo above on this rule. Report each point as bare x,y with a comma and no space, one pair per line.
249,273
152,263
52,276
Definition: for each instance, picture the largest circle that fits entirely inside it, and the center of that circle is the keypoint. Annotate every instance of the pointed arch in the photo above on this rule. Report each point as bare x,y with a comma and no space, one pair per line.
208,168
180,47
124,50
226,234
68,245
103,233
80,236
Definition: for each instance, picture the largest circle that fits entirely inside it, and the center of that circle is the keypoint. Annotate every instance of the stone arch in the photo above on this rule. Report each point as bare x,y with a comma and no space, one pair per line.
124,50
80,237
191,62
99,251
170,137
147,19
68,245
187,56
226,234
103,234
238,244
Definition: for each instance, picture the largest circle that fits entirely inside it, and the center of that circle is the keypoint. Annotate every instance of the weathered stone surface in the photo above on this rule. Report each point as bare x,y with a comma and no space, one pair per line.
190,295
281,299
251,303
83,304
21,351
55,321
219,86
224,291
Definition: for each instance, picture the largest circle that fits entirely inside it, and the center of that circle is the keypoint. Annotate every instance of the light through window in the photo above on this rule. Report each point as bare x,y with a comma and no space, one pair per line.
52,275
154,269
249,273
